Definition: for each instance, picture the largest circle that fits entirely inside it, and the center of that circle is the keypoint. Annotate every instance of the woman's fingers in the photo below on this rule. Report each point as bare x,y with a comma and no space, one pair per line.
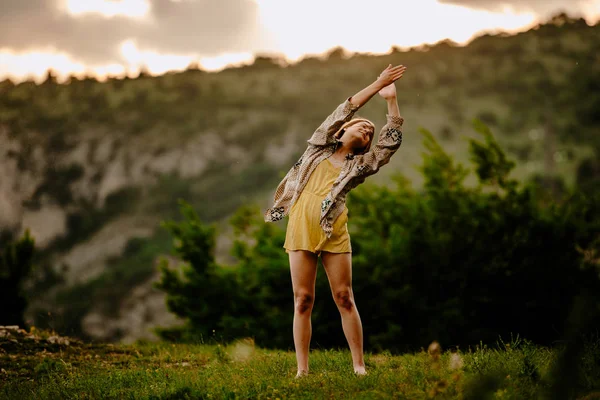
393,73
394,78
399,72
389,68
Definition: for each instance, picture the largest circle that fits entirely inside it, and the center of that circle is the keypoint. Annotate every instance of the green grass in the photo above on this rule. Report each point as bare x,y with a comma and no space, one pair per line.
517,370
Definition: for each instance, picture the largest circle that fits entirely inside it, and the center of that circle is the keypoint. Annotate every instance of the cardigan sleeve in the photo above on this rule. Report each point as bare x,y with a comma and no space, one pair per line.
388,142
324,133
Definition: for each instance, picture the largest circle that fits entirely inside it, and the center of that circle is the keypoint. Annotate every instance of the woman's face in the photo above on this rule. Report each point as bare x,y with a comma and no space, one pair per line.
359,134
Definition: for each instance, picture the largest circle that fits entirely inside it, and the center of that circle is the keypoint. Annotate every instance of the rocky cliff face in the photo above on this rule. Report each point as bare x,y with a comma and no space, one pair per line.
83,175
104,165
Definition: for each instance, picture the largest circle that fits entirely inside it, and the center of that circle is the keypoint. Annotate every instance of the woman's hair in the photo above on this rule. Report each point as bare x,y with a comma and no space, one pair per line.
354,121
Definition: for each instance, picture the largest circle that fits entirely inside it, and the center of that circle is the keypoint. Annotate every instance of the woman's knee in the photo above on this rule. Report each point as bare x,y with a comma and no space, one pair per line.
343,298
303,301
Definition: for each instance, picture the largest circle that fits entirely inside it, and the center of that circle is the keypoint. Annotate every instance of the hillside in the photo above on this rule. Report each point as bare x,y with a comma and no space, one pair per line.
91,168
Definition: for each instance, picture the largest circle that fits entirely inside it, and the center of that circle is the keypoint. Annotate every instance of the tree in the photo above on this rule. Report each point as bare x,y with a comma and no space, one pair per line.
202,292
50,78
15,267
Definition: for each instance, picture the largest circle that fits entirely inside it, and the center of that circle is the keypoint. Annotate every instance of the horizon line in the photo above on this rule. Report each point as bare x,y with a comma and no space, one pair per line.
285,61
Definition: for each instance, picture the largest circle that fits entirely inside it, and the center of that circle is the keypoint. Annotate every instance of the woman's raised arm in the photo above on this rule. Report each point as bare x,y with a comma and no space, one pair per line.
389,140
387,77
323,135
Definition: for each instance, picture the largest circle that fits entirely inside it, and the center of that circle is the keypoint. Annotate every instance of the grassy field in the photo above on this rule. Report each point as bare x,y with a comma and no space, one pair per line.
37,365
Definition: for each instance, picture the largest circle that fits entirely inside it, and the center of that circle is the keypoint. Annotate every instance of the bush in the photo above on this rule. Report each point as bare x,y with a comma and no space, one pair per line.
15,267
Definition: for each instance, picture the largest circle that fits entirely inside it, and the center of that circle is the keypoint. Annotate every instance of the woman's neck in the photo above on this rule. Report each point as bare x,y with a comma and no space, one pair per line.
342,151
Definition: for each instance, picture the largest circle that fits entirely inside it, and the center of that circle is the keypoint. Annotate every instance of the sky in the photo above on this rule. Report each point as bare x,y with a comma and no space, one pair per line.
118,37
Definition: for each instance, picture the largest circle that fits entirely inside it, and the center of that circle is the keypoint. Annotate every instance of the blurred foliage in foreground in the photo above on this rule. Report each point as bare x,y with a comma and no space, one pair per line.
453,263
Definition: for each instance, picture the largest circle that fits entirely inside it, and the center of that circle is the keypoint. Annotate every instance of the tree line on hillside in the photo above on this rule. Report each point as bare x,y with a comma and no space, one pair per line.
520,68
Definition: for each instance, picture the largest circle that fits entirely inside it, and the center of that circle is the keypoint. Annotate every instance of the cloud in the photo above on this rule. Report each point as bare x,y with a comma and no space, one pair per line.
205,27
210,25
540,7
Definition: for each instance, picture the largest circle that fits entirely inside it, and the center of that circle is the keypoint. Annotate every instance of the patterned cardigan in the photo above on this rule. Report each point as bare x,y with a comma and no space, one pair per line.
353,172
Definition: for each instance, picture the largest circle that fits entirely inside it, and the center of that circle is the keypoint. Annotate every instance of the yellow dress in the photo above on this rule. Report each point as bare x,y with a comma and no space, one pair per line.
303,229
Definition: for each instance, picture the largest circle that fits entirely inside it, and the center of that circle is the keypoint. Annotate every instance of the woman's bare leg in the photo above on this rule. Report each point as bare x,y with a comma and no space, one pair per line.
303,267
339,272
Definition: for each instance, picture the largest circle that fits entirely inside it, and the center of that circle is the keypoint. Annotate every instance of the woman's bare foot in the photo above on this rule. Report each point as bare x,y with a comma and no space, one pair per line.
302,373
360,370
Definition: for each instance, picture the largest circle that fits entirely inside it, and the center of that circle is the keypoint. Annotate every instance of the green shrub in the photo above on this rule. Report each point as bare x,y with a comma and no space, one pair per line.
16,263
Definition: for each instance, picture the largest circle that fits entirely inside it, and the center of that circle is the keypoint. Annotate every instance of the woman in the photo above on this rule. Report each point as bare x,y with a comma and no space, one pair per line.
339,157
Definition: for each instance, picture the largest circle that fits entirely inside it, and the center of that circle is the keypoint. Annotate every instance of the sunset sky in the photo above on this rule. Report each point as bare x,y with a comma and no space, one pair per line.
114,37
